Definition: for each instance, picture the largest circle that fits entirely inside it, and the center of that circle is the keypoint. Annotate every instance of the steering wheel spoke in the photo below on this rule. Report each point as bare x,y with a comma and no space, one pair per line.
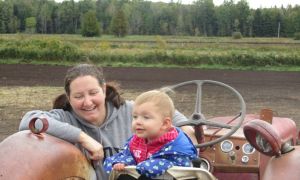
190,123
198,108
217,124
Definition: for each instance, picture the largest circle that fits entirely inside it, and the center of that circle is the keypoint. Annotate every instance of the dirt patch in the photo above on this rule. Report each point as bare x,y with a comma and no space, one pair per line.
279,91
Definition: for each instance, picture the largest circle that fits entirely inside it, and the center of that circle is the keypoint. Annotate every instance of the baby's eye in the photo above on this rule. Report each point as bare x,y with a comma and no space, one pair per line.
134,116
146,117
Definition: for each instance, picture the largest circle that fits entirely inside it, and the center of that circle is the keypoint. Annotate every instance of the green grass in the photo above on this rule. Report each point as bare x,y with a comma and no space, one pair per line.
262,54
69,37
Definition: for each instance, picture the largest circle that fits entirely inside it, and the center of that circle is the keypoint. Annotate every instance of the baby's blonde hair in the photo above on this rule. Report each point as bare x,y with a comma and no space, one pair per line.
160,99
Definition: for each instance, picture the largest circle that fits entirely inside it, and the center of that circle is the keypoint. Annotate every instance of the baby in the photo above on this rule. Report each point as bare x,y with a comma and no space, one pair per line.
156,144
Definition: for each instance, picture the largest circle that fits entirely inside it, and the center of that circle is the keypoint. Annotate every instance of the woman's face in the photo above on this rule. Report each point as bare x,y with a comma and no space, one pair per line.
87,99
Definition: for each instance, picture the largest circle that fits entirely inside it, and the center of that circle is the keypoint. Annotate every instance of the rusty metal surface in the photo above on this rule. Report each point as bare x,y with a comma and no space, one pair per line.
284,167
286,129
225,119
267,132
221,162
237,176
266,115
281,130
27,156
225,168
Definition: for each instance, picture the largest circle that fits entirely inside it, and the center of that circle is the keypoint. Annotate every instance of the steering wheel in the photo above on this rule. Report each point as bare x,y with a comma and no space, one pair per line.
198,119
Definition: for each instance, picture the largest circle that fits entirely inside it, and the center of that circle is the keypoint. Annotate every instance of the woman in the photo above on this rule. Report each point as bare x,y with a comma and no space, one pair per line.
91,114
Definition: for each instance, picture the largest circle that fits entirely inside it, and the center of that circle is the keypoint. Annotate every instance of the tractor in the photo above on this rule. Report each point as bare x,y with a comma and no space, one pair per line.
239,146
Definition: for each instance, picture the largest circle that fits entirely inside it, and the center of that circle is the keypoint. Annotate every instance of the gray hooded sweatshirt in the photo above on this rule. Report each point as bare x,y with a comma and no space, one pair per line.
112,134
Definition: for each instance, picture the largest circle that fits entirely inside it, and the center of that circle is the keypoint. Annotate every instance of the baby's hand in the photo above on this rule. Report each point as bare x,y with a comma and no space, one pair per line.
119,166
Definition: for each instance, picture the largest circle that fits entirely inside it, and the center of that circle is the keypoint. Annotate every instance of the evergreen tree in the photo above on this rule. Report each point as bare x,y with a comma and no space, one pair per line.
8,22
68,17
243,12
119,23
2,18
204,17
257,23
122,17
30,24
90,25
103,14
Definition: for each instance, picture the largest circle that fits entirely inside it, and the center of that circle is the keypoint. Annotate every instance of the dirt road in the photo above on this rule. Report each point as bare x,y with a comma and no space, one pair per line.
279,91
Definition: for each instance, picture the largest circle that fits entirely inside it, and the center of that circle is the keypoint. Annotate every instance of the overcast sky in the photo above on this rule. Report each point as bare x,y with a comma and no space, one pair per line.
252,3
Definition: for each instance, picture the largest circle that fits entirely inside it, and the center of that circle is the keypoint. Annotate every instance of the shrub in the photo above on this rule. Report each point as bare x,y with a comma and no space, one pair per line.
297,36
161,43
104,45
237,35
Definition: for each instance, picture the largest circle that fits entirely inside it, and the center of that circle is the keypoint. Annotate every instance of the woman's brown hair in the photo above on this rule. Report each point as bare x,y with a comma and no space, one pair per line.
112,88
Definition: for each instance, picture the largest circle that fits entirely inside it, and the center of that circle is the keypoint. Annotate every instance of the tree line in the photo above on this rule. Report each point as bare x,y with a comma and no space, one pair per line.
139,17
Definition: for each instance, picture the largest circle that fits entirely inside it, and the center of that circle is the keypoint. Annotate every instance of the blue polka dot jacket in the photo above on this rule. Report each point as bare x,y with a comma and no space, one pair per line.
178,152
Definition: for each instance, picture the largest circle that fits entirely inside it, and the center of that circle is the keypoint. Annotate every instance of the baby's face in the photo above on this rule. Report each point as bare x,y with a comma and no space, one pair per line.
148,121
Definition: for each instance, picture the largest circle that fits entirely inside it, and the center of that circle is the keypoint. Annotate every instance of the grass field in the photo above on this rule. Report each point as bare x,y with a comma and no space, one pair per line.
278,54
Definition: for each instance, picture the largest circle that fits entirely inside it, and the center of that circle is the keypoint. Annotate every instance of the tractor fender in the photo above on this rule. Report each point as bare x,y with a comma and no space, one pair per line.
30,156
285,166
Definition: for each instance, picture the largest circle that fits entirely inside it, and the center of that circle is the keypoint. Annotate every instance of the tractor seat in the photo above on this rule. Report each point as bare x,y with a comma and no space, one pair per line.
176,172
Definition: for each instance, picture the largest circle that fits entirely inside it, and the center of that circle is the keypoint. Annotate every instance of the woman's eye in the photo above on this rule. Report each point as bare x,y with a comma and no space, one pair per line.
78,97
94,92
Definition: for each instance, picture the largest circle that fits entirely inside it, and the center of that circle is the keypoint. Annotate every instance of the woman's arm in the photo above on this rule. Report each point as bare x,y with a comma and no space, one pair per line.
59,124
59,127
189,130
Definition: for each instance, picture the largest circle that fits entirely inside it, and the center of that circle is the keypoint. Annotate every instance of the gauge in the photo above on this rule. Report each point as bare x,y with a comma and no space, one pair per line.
248,149
245,159
226,146
205,164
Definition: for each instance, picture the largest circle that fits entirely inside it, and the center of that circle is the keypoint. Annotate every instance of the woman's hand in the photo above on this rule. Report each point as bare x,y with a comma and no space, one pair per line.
119,166
92,146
